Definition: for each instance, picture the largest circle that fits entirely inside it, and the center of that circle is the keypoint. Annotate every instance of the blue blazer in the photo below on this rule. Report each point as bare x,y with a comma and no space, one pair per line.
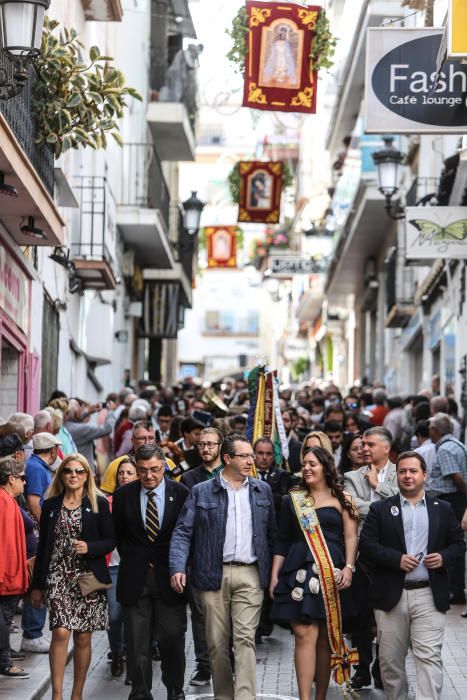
382,542
96,530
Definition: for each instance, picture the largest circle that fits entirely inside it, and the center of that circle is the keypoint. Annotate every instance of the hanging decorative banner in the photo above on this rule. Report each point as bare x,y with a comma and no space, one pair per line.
260,191
278,71
221,243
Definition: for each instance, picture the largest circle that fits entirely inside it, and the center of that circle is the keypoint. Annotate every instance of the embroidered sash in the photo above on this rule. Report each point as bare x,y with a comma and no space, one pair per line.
341,656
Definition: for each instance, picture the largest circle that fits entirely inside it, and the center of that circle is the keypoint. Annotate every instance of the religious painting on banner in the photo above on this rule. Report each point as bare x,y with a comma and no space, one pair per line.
278,70
221,243
260,191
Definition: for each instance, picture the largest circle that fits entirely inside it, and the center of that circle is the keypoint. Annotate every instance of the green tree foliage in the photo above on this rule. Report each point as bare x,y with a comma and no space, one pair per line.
77,100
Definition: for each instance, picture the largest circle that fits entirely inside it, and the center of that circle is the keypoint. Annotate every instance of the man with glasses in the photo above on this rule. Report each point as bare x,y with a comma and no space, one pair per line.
228,523
209,449
145,512
141,434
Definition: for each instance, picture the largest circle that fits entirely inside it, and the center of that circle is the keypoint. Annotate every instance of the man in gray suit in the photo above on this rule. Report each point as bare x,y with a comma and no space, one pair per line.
374,482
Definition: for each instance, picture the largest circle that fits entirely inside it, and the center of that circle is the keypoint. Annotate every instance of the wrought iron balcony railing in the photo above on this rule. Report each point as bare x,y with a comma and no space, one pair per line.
142,182
18,113
93,230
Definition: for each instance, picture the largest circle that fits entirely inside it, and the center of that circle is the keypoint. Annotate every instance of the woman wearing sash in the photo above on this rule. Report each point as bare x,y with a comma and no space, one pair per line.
312,570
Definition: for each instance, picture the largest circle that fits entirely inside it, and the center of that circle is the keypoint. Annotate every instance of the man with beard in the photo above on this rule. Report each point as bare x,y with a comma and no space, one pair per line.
209,449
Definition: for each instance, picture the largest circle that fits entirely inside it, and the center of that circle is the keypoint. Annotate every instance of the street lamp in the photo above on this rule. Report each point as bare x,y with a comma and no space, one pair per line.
388,162
21,23
192,208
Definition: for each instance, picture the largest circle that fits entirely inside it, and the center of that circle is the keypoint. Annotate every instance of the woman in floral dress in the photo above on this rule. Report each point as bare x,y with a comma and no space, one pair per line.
76,532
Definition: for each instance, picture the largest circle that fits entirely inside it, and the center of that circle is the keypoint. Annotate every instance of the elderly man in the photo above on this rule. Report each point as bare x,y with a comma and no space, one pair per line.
23,424
448,482
137,414
145,512
142,434
411,539
84,434
230,520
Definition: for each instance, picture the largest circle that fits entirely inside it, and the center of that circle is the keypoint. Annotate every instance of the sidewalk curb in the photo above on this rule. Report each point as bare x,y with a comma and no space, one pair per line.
45,684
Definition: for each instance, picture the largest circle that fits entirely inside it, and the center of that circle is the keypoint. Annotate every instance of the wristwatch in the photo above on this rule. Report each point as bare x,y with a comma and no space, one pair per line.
351,567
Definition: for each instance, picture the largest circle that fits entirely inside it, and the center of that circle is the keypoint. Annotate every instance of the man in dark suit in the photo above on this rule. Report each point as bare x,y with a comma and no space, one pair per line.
145,513
411,539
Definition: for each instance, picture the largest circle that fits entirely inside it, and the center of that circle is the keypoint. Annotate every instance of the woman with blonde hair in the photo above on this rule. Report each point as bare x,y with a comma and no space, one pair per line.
76,532
316,439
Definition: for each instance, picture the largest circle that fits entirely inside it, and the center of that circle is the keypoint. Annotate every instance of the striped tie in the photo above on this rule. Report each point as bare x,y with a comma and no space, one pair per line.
152,518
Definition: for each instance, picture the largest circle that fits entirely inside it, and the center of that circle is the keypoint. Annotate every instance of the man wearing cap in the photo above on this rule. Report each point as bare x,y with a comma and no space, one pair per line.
38,479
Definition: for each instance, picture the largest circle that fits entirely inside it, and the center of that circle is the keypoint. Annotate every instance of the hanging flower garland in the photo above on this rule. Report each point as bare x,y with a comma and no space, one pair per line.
322,49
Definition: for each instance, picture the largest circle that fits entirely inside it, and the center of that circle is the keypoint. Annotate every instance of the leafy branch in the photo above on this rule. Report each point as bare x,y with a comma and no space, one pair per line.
76,102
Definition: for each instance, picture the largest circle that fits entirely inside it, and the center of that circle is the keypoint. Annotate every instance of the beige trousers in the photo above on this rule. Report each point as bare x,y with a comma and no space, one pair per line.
234,608
417,622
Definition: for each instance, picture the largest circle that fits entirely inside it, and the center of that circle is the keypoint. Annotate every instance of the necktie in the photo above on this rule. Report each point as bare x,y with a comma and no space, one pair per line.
152,518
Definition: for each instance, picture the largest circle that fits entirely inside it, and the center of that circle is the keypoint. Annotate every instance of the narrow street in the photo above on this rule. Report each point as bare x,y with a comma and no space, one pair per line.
275,671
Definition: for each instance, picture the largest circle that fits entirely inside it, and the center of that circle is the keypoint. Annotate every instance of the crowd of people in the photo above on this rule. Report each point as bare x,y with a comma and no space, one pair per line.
120,516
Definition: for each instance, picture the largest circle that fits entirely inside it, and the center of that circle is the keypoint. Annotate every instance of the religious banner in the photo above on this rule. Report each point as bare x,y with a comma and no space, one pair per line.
278,70
221,243
260,191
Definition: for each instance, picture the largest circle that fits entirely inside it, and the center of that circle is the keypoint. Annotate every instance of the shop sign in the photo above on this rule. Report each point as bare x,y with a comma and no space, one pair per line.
404,92
14,290
457,22
291,266
436,232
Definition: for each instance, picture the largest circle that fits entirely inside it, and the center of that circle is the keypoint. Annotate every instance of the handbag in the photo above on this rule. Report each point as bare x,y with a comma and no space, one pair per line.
87,581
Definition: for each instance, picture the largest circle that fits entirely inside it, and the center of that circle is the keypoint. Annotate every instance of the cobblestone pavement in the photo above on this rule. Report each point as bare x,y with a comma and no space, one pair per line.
275,671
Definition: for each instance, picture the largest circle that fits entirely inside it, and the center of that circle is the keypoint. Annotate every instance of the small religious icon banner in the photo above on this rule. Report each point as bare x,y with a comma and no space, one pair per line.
260,191
221,243
278,70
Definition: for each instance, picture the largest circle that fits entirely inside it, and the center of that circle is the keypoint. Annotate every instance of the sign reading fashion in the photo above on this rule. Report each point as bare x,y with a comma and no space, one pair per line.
278,70
436,232
260,191
14,290
404,93
221,243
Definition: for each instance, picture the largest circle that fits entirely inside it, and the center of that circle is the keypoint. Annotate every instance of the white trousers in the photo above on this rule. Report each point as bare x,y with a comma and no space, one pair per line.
417,622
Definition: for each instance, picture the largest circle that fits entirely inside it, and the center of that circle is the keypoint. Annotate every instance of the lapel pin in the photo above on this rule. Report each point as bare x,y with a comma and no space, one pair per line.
51,514
435,503
171,498
395,510
88,510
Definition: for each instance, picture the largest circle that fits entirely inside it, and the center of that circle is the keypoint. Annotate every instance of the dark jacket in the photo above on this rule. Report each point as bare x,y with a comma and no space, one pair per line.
135,548
280,481
382,543
202,524
96,530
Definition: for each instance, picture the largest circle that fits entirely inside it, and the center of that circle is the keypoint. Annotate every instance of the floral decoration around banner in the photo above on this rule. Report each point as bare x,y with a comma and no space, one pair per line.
260,191
279,74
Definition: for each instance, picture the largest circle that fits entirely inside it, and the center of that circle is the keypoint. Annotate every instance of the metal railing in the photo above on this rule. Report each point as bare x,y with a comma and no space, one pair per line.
142,182
18,113
422,187
94,223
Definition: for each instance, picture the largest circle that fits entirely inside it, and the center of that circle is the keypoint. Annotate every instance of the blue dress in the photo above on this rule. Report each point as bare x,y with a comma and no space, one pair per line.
297,570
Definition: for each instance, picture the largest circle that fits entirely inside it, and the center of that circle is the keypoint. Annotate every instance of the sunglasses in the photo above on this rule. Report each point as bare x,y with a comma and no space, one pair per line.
19,476
70,470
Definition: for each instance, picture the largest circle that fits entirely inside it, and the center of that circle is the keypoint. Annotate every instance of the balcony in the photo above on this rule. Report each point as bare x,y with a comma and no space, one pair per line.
93,233
102,10
143,206
29,168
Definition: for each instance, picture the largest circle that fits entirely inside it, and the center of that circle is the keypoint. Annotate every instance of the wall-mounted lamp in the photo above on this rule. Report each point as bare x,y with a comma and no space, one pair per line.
8,190
30,229
192,209
62,258
388,162
21,23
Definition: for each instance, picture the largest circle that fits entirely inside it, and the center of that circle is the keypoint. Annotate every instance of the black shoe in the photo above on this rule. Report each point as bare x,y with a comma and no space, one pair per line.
258,639
127,681
116,666
17,655
464,614
200,677
376,673
156,656
457,599
360,679
175,695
